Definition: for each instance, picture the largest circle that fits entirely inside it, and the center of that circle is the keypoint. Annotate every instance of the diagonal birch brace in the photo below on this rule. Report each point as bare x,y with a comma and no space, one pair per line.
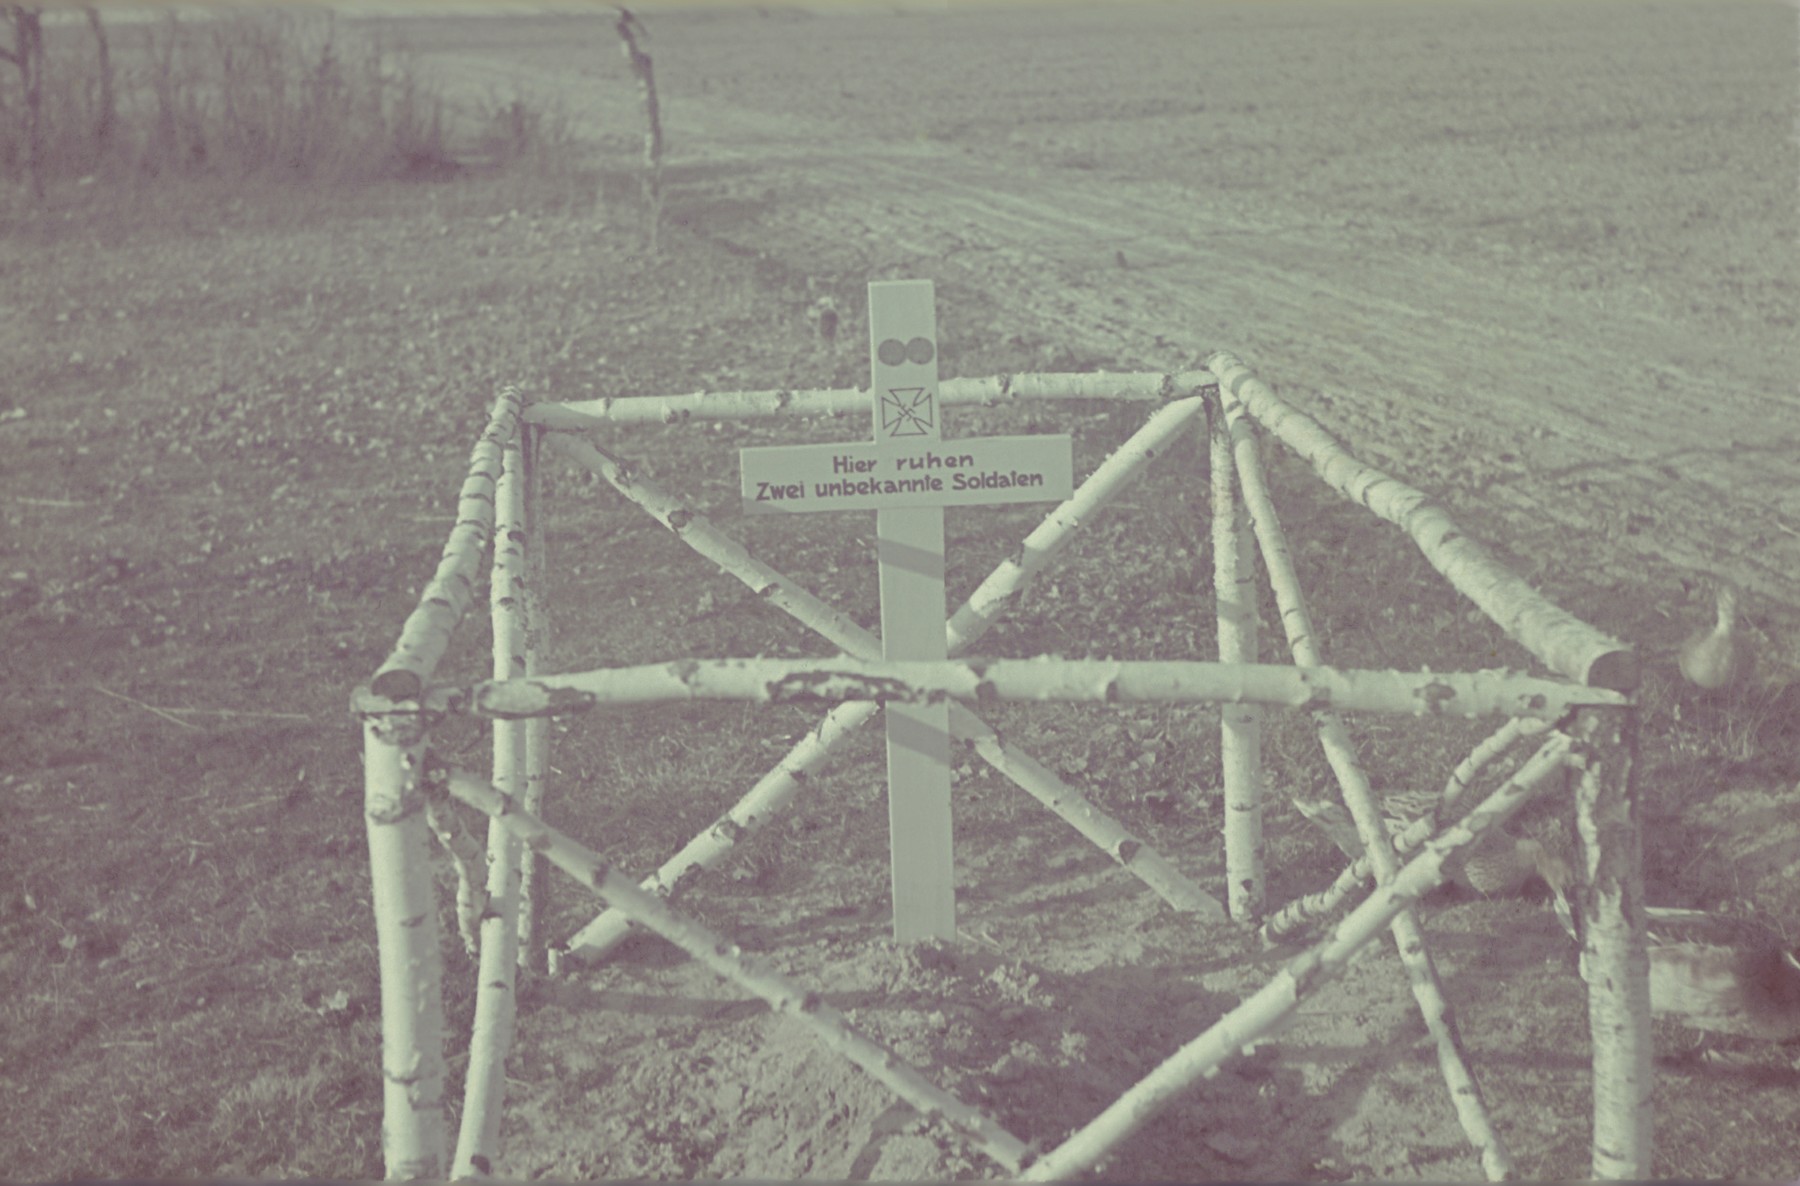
1303,976
700,534
728,961
1340,752
1284,923
1564,643
982,609
908,476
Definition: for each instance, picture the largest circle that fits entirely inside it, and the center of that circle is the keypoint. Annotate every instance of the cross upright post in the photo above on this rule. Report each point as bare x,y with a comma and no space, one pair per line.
910,549
908,475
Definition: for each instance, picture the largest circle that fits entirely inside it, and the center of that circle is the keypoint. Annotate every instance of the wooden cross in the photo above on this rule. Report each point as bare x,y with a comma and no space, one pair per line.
908,475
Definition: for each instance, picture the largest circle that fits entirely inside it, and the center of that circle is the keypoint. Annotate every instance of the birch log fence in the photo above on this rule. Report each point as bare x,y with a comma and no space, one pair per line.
1581,717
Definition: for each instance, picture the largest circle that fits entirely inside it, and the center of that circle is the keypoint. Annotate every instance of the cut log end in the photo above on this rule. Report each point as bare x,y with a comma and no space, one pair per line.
398,684
1615,671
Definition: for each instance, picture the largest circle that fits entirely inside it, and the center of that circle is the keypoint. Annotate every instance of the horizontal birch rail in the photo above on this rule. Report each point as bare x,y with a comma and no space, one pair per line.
446,597
579,415
1564,643
1302,978
829,681
727,960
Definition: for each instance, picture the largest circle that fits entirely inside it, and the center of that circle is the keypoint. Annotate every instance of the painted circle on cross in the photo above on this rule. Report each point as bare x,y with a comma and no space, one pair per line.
892,352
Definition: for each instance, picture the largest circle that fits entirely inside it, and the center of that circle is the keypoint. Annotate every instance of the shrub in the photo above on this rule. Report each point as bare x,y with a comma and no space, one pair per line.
281,93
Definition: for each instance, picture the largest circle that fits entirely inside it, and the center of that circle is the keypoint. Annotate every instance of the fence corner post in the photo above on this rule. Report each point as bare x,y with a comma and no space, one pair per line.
1615,959
415,1138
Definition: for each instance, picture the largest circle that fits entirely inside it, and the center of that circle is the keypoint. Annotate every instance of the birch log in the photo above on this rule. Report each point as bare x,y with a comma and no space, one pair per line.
1489,748
771,793
1240,725
1278,1000
828,681
414,1137
730,963
490,1039
1284,923
533,883
445,599
776,788
1615,961
1334,739
469,860
1563,642
581,415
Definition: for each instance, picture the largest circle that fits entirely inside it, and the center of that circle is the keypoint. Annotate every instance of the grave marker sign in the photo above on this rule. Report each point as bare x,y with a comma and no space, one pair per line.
908,476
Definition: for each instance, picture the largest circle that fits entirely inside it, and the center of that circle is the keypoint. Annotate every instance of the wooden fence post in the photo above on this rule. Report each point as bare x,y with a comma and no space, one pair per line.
1240,725
413,1133
496,1012
534,882
1615,959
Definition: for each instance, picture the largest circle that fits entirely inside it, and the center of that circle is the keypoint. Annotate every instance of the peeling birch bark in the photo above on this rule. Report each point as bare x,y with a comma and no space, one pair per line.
490,1039
1240,725
1615,960
446,597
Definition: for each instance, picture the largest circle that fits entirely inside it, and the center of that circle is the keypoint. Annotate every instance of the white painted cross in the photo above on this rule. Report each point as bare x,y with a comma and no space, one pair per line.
908,476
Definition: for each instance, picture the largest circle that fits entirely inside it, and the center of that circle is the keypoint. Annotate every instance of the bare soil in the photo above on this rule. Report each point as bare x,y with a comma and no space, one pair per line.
1544,253
1537,259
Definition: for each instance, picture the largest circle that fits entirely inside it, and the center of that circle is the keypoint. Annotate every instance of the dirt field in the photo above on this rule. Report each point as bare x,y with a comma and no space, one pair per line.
1537,259
1546,253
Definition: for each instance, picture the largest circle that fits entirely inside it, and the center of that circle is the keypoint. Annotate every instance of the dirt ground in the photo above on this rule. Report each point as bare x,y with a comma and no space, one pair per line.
1543,255
1538,259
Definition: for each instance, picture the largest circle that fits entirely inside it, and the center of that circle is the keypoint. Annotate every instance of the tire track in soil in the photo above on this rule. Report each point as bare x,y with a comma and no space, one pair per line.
1628,433
1436,365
